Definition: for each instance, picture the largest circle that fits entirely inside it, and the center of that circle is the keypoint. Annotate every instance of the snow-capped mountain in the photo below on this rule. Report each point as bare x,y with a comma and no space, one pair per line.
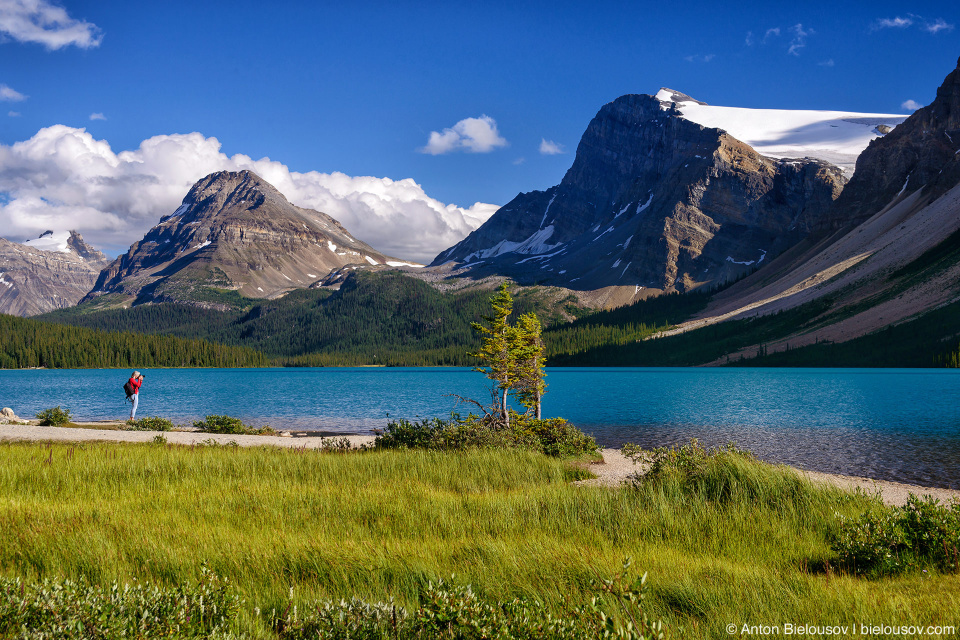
656,202
837,137
46,273
233,232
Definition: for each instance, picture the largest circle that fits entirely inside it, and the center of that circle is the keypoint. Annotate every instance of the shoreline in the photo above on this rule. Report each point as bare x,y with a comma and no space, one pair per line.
612,472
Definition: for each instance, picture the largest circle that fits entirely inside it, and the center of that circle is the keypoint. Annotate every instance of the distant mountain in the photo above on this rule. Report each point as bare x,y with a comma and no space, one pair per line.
234,235
51,272
656,202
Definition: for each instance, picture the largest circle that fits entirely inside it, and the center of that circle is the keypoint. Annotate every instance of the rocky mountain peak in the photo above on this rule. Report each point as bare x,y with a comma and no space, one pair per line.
671,95
652,201
234,231
50,272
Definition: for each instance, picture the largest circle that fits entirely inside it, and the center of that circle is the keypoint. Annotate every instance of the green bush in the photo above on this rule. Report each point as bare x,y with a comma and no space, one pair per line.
554,436
724,475
155,423
71,610
890,540
232,426
54,417
448,610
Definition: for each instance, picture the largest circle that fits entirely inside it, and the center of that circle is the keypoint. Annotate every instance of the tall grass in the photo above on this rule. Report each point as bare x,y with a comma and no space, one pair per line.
384,524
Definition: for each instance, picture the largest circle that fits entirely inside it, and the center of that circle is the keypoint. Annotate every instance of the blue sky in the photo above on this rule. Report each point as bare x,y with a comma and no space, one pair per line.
358,87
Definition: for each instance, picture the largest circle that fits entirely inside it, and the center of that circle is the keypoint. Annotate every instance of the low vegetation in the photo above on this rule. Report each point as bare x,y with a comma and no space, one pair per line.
553,436
152,423
54,417
474,539
232,426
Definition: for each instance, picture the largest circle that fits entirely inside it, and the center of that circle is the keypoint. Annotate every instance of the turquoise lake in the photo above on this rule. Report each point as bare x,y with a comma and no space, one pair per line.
896,424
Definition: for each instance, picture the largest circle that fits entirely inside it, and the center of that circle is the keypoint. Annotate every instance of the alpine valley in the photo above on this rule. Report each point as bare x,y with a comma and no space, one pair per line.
682,234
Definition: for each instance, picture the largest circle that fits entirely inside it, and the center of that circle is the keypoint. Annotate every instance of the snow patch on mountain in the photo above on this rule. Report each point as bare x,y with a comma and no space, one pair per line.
536,243
50,241
837,137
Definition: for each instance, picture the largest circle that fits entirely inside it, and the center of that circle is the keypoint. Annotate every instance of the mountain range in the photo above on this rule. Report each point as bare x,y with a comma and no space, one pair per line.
771,210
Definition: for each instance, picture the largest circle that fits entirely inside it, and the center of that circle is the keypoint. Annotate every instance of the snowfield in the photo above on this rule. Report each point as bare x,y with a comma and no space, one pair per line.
837,137
51,242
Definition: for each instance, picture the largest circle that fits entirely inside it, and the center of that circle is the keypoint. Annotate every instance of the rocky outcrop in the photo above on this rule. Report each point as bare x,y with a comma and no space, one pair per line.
52,272
921,153
655,201
233,232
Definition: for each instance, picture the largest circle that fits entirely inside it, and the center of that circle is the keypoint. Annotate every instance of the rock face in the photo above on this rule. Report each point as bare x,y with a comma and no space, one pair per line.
922,152
652,201
234,231
51,272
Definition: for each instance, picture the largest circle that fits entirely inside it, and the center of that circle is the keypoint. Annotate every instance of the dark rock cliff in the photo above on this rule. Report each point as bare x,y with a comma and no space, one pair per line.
652,200
922,152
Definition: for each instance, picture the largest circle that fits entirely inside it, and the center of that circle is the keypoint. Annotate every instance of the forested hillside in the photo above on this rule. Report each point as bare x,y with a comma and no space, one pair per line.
385,318
30,343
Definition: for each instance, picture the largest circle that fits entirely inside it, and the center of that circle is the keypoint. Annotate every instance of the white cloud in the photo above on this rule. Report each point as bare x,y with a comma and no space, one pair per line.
827,63
911,105
13,114
10,95
749,39
97,116
519,161
550,148
62,178
47,24
937,26
799,39
474,135
771,33
706,58
893,23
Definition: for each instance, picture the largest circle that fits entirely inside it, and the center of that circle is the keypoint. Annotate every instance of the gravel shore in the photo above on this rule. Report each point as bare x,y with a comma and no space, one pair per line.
612,472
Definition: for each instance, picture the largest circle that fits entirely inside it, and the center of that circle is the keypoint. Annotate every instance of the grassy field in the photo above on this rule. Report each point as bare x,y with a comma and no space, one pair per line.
383,524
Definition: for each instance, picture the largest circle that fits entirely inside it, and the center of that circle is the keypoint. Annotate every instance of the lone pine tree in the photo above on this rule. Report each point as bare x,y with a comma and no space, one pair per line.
511,356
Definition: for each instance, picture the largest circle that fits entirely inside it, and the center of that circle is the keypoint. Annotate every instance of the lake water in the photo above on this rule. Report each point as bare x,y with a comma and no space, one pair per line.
896,424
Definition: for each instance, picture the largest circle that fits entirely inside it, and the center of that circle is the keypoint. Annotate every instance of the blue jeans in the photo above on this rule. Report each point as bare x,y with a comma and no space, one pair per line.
135,398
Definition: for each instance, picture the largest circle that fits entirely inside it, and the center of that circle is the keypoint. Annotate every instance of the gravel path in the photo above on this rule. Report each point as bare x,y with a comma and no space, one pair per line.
611,472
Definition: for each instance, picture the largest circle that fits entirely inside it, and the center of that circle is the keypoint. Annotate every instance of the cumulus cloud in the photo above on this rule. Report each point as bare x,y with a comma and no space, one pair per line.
97,116
44,23
13,114
10,95
473,135
550,148
911,105
799,40
64,178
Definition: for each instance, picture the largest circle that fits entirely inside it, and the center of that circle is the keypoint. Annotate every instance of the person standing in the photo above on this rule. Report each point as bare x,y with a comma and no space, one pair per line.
136,379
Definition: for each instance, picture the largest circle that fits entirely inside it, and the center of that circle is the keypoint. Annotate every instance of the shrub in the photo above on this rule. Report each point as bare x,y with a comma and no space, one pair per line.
67,609
155,423
232,426
889,540
724,474
554,436
448,610
55,417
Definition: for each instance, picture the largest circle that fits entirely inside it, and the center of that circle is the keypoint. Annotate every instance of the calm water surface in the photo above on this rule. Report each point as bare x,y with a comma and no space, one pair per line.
897,424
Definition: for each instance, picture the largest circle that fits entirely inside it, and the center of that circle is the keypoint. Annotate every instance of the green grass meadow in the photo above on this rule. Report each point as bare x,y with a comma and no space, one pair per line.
382,524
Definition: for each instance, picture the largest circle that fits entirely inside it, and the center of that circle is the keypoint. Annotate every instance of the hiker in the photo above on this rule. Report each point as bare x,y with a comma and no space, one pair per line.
133,391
